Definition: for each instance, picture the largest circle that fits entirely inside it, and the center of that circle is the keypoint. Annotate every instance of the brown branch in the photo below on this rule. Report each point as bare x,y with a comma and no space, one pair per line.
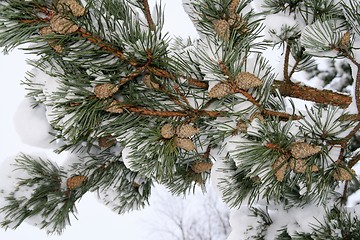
166,74
148,15
249,97
293,69
197,83
131,76
149,112
354,161
357,89
281,115
105,46
286,89
286,62
312,94
344,196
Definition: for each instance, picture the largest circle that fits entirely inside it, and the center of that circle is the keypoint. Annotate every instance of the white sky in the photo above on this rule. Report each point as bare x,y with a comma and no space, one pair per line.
96,221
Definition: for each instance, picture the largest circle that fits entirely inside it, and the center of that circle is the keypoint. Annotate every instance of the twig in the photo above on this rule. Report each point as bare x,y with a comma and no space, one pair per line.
105,46
131,76
293,69
344,196
148,15
312,94
188,113
354,161
286,62
281,115
150,112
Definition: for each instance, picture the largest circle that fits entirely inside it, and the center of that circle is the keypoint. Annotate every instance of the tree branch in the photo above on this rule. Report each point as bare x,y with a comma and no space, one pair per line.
148,15
312,94
286,63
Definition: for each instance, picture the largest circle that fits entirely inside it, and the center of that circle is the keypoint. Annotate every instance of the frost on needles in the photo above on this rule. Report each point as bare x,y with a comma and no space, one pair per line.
137,107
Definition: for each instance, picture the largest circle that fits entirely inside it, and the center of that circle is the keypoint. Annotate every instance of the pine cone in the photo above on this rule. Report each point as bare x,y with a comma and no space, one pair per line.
220,90
46,31
314,168
345,40
201,167
247,80
114,107
233,6
257,115
184,143
298,165
62,25
304,150
280,167
105,90
75,182
149,83
186,131
57,47
76,9
342,174
106,142
167,131
222,28
241,126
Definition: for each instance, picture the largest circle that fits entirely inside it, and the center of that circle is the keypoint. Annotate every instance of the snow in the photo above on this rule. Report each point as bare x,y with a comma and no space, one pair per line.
32,125
279,23
33,128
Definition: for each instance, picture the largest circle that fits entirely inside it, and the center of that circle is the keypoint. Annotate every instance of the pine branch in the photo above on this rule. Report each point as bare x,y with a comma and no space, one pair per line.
148,15
287,76
312,94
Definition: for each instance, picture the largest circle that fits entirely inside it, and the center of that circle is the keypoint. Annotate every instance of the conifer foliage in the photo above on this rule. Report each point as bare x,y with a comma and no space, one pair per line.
136,107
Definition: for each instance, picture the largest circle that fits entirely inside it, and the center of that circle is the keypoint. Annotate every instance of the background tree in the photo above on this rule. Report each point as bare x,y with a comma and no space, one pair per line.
198,217
137,108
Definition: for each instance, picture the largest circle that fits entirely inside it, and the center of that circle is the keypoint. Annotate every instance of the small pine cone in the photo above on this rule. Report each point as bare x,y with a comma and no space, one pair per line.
167,131
233,6
314,168
106,142
149,83
237,22
257,115
345,40
304,150
342,174
280,167
62,25
76,9
57,47
184,143
75,182
233,19
201,167
115,107
46,31
241,126
186,131
105,90
298,165
246,80
220,90
222,28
